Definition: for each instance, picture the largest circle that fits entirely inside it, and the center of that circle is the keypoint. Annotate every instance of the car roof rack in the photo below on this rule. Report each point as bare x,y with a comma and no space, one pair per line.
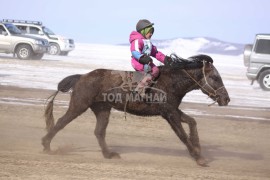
22,21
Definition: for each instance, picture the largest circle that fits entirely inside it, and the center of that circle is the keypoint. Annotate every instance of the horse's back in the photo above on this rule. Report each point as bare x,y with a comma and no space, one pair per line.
113,77
101,79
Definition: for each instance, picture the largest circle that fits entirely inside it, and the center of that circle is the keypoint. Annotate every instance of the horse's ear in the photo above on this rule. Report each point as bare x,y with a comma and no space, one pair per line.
201,58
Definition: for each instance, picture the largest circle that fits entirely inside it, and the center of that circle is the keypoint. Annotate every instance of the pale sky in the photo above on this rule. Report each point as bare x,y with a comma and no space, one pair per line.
111,21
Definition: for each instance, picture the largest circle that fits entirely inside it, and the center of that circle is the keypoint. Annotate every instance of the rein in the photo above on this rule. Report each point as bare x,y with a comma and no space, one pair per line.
210,94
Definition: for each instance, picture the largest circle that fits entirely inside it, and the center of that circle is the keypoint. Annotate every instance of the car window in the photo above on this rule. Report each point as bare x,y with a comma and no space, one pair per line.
22,28
2,29
262,46
12,29
34,30
47,31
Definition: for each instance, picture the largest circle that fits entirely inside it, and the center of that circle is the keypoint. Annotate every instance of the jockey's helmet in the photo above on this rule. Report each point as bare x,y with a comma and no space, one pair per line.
143,23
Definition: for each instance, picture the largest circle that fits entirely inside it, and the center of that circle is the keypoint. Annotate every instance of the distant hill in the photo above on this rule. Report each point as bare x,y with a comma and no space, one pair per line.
200,45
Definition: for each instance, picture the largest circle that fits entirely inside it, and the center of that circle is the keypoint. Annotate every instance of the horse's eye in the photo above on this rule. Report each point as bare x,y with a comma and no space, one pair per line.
215,78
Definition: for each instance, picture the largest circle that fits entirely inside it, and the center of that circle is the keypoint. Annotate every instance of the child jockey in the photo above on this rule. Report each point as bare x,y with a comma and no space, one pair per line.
142,49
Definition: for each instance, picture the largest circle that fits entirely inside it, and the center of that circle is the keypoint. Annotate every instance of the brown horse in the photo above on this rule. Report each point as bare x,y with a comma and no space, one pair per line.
103,89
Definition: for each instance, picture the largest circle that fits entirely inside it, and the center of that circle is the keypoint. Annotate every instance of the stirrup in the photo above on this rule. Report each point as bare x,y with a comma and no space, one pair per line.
140,91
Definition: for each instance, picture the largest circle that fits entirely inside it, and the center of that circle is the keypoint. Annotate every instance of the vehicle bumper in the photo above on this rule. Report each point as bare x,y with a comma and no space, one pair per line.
251,76
67,47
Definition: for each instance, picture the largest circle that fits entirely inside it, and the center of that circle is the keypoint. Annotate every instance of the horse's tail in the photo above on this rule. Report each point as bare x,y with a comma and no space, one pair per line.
49,119
68,83
65,85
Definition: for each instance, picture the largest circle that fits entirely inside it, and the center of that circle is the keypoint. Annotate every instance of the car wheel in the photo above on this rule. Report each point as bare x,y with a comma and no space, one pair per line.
264,80
37,56
54,49
24,51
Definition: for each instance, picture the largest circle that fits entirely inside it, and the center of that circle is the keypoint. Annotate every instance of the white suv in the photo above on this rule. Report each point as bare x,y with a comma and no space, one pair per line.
257,59
58,45
20,45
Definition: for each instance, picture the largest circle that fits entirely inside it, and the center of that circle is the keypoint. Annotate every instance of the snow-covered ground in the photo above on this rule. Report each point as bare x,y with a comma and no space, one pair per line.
50,70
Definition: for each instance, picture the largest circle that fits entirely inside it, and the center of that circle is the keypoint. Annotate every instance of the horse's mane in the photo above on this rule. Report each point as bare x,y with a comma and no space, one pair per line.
190,63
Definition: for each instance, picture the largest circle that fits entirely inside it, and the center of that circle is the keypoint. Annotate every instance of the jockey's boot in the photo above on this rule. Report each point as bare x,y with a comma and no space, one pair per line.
143,84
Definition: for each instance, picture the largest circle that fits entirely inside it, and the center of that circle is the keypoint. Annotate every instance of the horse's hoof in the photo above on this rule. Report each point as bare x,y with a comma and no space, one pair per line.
47,150
112,155
202,162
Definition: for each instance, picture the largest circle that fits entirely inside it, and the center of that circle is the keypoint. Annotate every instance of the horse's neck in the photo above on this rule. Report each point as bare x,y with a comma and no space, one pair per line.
181,80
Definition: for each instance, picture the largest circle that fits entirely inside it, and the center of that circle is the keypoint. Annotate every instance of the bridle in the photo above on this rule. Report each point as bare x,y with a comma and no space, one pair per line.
212,92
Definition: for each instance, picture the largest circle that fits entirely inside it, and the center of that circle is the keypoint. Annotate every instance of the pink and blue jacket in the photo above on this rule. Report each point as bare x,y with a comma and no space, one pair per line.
139,46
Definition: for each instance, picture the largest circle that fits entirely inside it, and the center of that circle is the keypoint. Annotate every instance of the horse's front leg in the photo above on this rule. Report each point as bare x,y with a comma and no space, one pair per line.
173,116
193,133
193,136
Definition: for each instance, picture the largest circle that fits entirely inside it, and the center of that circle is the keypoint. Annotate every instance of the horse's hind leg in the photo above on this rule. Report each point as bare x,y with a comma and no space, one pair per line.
102,112
75,109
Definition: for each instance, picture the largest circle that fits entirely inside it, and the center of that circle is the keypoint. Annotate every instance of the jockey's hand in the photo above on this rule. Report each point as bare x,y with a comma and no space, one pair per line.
167,60
145,59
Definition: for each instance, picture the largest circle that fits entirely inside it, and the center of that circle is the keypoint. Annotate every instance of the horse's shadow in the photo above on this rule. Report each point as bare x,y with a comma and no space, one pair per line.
163,151
210,152
72,150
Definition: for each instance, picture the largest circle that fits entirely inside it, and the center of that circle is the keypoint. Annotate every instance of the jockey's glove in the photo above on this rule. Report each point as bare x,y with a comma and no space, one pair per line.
145,59
167,60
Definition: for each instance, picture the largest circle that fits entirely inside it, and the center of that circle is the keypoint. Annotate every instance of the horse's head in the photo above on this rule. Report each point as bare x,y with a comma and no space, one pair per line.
210,81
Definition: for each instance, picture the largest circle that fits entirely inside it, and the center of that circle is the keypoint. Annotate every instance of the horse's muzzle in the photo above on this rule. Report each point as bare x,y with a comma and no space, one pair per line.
223,101
223,98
